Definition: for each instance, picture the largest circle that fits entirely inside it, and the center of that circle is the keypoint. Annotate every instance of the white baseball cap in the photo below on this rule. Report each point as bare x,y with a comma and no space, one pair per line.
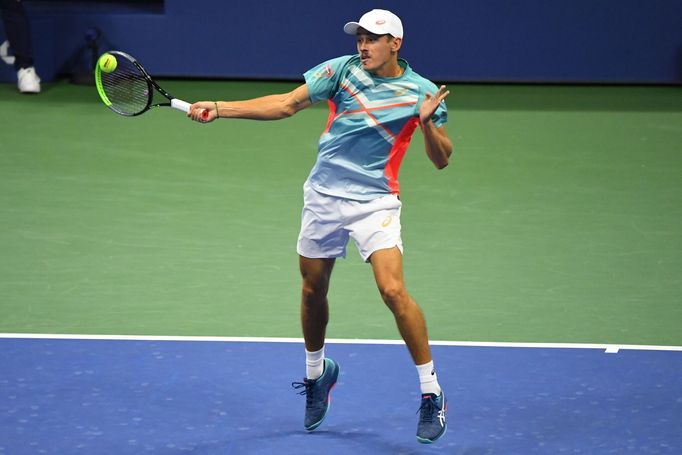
379,22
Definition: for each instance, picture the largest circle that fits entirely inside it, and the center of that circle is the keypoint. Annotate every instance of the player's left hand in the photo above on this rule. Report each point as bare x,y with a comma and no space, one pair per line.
430,104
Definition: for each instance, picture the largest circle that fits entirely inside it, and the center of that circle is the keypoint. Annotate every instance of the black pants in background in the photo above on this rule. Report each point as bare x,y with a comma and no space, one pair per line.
18,33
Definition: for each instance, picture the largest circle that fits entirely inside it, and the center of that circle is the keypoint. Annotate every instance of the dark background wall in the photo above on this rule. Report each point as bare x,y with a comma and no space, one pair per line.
584,41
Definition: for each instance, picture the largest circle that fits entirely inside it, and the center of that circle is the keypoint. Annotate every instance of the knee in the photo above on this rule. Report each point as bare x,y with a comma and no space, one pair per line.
395,297
313,293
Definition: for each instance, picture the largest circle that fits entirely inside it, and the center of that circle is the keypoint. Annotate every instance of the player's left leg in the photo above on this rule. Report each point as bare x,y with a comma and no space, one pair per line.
387,265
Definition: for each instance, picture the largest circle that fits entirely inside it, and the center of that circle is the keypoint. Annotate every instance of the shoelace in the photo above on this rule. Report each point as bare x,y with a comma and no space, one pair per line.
426,409
307,387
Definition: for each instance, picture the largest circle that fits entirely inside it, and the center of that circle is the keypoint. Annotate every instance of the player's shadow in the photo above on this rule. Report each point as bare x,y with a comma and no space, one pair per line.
358,442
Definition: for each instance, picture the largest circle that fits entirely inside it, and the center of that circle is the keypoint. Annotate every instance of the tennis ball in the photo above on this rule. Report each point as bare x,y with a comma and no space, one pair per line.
107,63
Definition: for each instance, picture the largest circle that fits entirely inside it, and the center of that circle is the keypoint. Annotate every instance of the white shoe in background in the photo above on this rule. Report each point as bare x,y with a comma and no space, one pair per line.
29,82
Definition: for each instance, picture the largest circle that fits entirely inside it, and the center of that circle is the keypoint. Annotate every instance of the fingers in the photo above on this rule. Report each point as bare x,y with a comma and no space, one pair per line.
195,112
431,102
201,112
442,93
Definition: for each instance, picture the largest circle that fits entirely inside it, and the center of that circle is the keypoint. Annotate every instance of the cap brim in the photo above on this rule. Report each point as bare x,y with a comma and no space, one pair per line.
351,28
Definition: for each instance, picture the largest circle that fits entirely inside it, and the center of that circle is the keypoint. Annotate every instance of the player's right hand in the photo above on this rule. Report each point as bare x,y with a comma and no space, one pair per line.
203,111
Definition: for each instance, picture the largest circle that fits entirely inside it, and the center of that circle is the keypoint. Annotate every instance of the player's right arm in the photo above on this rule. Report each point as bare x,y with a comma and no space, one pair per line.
271,107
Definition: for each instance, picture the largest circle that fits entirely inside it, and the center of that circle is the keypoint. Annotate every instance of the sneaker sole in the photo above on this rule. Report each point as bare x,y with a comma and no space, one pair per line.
429,441
439,435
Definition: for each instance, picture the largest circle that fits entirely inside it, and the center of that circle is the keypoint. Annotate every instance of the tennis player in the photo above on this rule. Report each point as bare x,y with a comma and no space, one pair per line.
376,102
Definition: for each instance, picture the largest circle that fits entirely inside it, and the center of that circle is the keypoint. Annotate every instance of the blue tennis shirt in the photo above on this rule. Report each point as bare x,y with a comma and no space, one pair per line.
370,124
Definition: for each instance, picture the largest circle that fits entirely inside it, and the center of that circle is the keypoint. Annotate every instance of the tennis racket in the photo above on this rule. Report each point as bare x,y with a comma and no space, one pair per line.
129,90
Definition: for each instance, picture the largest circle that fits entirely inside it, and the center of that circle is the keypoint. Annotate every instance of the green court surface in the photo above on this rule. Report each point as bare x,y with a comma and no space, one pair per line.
559,218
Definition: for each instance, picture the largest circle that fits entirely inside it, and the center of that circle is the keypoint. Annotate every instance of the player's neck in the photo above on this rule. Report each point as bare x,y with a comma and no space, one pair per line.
390,69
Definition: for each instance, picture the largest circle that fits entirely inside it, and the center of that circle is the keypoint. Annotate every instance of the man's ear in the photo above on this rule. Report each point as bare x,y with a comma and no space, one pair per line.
396,44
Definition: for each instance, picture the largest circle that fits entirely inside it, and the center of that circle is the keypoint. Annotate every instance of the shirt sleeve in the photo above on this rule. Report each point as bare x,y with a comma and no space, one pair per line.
323,80
440,117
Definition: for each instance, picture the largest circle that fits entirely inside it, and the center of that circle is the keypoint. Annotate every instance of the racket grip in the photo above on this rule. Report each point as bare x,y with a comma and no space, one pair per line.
180,105
184,107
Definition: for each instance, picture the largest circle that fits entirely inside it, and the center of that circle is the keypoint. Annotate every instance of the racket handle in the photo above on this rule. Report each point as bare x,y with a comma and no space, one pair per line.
180,105
184,107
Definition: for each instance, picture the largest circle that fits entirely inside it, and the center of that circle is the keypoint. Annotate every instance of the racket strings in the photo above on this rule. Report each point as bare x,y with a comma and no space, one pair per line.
126,88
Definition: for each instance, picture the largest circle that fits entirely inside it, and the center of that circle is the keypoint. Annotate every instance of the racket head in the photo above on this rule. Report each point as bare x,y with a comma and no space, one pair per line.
127,90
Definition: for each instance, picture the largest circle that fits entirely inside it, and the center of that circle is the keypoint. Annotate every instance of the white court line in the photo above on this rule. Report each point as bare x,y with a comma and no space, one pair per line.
607,348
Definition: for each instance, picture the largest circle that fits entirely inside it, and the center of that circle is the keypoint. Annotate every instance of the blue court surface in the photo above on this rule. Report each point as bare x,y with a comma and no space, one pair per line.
74,396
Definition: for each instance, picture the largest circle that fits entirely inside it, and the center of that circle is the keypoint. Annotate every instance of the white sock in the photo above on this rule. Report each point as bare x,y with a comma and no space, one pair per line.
314,363
428,379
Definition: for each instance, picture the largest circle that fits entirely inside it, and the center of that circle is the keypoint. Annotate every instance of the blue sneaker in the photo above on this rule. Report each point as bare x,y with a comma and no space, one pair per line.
316,393
432,418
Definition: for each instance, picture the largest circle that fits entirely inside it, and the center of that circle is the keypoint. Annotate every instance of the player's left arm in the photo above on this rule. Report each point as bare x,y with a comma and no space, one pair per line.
438,144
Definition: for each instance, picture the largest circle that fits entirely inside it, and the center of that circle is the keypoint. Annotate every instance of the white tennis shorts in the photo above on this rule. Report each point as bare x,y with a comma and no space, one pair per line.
327,222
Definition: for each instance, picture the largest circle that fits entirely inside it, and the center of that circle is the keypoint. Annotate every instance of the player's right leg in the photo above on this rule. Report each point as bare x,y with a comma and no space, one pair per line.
321,372
316,273
322,238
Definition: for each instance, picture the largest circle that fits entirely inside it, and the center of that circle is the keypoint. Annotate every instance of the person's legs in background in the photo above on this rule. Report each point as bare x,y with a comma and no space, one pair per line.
18,32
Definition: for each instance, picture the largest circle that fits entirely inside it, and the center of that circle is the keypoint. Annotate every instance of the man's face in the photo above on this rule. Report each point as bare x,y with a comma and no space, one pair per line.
375,50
